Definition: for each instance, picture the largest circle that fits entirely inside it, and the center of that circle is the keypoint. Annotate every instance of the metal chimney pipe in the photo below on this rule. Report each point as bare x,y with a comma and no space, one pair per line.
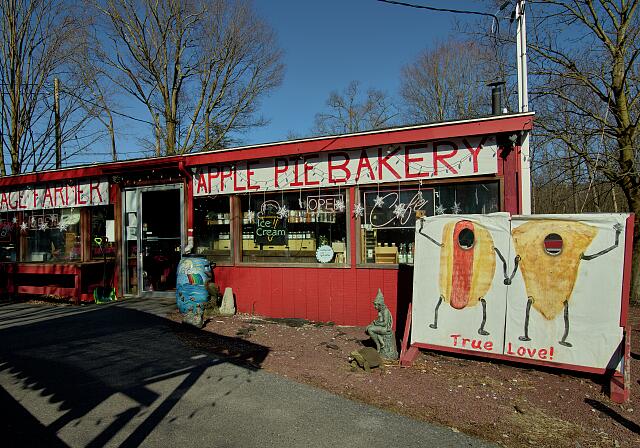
496,97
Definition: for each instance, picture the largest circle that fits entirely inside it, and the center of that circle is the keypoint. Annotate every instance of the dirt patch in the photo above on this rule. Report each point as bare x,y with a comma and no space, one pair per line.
508,404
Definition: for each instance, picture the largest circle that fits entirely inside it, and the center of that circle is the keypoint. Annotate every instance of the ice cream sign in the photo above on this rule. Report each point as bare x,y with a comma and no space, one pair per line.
73,193
467,156
546,288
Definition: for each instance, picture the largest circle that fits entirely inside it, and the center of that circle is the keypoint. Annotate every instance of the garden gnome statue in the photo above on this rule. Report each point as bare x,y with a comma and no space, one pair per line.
381,331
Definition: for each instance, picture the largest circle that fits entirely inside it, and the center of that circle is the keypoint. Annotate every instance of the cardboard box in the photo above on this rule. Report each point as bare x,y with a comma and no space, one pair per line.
386,255
306,244
250,245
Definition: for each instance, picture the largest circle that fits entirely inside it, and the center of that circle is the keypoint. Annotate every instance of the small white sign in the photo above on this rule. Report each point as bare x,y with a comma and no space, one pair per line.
324,254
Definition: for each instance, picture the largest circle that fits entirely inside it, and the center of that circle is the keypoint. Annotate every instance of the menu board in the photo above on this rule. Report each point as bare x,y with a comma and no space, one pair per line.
270,230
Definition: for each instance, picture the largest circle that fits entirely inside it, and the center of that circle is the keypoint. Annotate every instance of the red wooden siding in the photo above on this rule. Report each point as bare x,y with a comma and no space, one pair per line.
343,296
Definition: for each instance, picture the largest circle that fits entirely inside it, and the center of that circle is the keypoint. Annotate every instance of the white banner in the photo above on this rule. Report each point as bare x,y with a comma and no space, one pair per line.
81,193
468,156
544,287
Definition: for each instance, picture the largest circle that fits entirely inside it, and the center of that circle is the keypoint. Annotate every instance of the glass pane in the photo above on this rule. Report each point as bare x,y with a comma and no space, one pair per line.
212,228
53,235
302,227
103,227
387,228
161,239
131,240
9,236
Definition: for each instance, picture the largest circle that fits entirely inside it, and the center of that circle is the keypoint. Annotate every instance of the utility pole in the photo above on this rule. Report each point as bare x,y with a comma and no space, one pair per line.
4,170
56,110
523,106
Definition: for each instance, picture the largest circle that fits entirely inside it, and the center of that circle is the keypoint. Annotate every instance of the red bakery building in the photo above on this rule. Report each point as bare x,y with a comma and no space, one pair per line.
308,228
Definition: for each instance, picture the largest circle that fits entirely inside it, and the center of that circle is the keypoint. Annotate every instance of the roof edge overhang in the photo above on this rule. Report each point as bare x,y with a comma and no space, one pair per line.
400,135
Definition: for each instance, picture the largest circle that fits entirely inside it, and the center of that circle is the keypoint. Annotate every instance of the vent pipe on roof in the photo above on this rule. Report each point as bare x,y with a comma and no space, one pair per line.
496,97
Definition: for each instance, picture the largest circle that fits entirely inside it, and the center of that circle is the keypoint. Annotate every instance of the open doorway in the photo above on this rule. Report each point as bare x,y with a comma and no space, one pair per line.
153,219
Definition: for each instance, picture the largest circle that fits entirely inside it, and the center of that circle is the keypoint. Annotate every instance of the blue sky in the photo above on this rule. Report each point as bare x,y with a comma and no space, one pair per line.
328,43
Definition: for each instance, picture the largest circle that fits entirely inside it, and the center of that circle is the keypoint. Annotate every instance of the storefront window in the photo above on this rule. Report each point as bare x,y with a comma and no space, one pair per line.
53,235
388,222
103,229
302,227
9,236
212,228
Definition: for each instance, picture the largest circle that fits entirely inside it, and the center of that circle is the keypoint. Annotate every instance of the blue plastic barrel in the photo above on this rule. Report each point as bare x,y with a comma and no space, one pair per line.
191,283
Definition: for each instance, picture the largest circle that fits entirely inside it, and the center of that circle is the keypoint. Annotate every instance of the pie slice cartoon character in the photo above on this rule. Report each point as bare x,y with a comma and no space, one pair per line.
551,252
467,266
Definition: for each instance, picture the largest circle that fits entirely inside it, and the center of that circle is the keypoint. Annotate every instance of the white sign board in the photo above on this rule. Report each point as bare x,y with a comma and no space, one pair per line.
80,193
546,288
469,156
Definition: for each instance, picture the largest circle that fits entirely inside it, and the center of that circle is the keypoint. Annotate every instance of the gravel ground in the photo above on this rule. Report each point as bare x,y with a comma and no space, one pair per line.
498,401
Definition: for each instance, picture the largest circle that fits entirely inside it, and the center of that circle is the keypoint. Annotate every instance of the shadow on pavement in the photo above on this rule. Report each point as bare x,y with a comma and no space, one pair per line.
80,359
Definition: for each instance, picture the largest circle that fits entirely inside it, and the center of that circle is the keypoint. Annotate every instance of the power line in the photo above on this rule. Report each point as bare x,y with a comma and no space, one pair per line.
433,8
102,107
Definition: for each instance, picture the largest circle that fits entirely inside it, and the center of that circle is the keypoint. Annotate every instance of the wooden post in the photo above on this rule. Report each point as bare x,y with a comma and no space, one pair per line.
56,110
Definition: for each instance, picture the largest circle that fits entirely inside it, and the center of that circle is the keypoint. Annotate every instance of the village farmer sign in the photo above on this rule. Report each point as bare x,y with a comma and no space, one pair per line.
81,193
468,156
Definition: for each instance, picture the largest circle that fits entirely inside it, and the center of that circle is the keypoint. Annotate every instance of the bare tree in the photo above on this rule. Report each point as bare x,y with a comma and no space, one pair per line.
37,39
200,67
349,112
584,82
447,82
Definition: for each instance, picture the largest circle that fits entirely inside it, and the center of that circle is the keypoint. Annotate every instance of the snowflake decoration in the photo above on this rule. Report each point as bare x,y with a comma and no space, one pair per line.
251,215
24,226
302,204
379,202
440,210
339,205
456,208
33,221
283,212
44,226
14,220
399,210
358,210
63,226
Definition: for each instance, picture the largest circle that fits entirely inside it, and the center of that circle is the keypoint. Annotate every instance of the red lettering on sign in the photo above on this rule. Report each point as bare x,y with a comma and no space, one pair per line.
212,175
477,344
308,168
296,172
202,184
224,175
57,191
21,205
474,152
442,158
236,187
408,160
384,161
79,193
94,187
339,166
529,352
278,170
4,202
364,163
49,196
250,173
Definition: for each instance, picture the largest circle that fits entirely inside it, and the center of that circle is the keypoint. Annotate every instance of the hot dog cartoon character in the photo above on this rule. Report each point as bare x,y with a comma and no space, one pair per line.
467,267
550,253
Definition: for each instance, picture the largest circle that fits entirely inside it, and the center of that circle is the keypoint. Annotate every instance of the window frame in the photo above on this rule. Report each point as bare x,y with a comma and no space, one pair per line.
498,179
